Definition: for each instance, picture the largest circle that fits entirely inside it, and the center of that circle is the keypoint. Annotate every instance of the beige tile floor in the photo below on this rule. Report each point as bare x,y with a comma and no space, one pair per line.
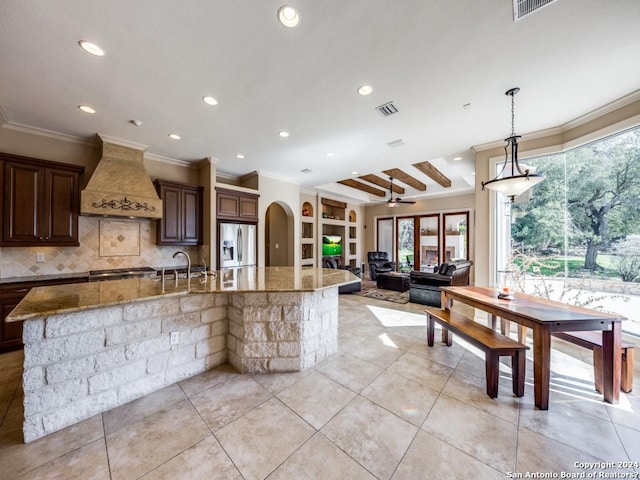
385,406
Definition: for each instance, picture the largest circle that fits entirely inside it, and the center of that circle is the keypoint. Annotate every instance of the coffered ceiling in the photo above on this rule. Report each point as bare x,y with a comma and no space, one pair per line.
443,64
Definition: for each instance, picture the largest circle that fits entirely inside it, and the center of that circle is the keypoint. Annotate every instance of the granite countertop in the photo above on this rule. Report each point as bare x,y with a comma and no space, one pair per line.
52,300
42,278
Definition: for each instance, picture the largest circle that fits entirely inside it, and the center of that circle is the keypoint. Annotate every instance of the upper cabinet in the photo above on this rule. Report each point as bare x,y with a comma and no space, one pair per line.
181,222
40,202
236,206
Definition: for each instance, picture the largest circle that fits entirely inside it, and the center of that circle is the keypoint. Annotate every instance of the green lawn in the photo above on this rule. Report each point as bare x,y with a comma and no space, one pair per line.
552,266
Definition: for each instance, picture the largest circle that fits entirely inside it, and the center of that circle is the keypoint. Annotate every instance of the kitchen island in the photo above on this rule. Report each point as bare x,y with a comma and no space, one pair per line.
91,347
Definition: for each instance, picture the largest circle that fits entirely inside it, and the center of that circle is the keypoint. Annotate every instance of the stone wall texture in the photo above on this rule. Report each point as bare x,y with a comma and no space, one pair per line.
282,332
80,364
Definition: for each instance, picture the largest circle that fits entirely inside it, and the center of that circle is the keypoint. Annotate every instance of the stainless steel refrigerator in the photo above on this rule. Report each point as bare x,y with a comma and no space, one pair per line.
237,245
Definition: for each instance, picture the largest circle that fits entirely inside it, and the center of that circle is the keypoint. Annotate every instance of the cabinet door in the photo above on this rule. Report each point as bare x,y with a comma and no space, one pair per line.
191,217
249,207
61,207
228,205
169,228
23,203
10,333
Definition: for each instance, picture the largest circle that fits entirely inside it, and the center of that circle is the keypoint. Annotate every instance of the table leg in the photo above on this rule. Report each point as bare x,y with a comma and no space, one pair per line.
505,326
611,358
541,366
522,333
446,302
494,321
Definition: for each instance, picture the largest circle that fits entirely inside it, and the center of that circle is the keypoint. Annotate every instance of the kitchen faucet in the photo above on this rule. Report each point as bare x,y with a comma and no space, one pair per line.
188,262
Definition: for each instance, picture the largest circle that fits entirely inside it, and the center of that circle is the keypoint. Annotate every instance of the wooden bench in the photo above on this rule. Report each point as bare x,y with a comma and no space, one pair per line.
593,341
494,345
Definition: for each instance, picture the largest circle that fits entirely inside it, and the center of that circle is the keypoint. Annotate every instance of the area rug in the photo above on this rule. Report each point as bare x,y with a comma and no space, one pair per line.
370,290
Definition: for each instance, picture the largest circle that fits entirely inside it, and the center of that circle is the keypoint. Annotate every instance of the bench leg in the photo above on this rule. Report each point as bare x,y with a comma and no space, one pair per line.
626,369
597,368
518,367
430,330
492,367
626,377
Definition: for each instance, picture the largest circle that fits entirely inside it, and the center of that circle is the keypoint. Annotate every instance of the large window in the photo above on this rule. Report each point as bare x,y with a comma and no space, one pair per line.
422,242
576,236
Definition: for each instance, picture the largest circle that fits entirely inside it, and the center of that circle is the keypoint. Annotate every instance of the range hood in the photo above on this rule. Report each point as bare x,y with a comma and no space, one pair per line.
120,185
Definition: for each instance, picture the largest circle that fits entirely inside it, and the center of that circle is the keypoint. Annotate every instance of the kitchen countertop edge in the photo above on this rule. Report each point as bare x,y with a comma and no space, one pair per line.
45,301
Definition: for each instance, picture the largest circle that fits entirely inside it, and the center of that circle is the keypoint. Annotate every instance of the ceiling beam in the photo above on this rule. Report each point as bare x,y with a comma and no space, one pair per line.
398,174
381,182
362,186
432,172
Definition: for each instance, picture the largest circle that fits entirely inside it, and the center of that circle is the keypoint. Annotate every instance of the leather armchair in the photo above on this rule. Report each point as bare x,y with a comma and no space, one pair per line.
424,287
379,262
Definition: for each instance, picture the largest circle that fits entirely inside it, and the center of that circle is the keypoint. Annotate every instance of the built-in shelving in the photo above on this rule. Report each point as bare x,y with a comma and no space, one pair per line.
307,229
333,217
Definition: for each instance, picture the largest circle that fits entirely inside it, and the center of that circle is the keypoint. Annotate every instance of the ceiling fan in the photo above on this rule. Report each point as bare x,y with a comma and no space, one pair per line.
393,202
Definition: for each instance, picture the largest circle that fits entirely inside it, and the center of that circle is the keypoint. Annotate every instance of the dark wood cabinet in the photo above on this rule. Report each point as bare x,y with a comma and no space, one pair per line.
236,206
40,203
181,222
10,296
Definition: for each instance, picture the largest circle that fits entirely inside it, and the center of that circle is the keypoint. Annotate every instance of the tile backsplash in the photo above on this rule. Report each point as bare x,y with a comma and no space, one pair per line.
131,243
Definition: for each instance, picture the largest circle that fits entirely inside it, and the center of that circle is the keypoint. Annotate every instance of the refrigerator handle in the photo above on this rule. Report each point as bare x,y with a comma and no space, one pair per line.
239,243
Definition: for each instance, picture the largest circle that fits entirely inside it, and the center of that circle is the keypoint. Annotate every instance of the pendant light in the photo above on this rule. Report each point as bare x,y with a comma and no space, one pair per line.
515,180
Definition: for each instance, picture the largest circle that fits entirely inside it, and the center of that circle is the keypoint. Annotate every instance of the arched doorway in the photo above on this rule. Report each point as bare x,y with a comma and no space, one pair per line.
279,244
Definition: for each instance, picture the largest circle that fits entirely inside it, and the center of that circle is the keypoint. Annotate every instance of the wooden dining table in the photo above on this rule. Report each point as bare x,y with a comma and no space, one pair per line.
543,317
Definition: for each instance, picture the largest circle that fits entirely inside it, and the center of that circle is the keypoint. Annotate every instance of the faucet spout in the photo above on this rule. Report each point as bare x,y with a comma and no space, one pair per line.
182,252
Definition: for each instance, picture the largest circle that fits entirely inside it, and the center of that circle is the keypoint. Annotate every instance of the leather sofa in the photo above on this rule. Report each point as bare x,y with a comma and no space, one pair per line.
424,287
332,262
378,263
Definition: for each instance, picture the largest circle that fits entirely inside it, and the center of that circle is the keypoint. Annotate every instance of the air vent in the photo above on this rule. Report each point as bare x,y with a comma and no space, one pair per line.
396,143
522,8
387,109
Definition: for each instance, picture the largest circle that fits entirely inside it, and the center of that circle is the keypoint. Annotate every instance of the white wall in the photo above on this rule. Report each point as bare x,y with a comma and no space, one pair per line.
287,195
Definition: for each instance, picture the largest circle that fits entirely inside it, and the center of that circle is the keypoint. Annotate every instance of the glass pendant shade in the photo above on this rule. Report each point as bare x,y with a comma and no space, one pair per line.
514,185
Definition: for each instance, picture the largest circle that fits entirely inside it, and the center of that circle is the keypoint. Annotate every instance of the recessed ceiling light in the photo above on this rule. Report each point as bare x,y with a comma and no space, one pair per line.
329,154
240,156
288,16
91,48
354,173
365,90
473,173
283,134
209,100
174,136
86,109
457,159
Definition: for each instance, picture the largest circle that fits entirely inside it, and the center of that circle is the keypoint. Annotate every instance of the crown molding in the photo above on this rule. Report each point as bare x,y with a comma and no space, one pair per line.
280,178
119,141
602,111
171,161
570,125
19,127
